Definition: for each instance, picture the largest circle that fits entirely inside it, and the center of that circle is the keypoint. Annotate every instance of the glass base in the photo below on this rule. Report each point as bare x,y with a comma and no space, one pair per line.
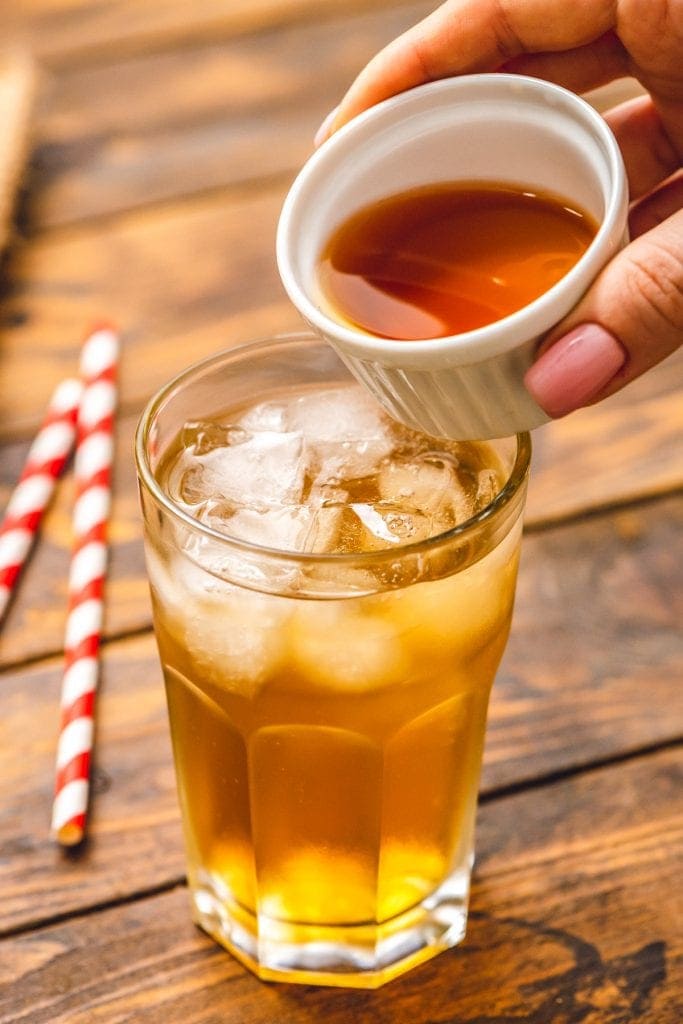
349,956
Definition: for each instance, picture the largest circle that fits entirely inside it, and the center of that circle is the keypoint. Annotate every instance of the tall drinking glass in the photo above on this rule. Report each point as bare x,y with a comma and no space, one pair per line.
331,602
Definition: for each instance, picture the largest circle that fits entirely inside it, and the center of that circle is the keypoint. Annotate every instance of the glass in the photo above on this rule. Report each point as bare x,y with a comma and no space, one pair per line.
327,711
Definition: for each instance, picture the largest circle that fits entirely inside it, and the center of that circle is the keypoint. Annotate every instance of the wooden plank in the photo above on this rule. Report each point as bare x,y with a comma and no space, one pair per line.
114,136
577,685
135,841
120,135
85,31
35,624
17,84
627,448
575,918
182,281
599,603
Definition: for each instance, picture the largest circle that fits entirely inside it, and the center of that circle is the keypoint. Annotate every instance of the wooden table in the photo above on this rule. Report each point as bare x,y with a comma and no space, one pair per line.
165,139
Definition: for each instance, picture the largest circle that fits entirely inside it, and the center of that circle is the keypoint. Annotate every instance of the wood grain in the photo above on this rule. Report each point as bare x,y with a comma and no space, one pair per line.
87,31
118,135
622,449
17,84
187,280
182,281
35,623
627,448
115,136
563,931
135,840
166,138
599,604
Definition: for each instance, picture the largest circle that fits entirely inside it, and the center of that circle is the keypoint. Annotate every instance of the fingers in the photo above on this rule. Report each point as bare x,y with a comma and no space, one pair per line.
631,319
648,152
657,206
571,373
579,69
464,36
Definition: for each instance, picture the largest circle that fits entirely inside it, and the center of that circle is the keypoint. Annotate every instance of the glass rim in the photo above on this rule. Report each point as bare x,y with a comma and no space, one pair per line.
489,514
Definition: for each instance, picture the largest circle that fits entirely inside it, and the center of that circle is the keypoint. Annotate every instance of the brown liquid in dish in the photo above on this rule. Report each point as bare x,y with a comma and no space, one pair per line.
449,258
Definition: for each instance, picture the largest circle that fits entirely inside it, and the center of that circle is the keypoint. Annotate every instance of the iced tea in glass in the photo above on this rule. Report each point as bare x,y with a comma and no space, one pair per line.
332,594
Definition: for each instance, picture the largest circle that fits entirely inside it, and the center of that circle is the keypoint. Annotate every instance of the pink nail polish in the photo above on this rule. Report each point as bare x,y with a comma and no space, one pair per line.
324,128
575,369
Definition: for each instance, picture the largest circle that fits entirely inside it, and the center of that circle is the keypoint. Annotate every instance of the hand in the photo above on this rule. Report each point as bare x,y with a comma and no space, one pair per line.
632,317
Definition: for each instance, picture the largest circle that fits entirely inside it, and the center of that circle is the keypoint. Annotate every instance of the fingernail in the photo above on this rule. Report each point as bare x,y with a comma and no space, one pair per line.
575,369
324,128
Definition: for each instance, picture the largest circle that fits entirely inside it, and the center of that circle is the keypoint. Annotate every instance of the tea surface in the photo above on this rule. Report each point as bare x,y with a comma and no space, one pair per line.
449,258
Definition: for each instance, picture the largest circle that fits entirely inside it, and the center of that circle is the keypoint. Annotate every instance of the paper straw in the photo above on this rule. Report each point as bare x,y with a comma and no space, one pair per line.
92,472
45,461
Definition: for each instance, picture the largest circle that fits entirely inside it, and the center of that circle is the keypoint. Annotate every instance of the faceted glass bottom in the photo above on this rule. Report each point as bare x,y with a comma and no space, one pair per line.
352,956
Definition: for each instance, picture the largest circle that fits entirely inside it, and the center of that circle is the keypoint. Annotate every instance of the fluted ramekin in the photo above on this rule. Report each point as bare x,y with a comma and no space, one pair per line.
476,128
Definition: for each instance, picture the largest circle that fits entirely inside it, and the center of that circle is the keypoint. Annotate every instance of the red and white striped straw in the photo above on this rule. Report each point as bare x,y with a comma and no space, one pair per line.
45,461
92,472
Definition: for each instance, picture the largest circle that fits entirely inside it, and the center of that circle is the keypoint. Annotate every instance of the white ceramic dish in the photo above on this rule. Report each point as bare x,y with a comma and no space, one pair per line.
475,128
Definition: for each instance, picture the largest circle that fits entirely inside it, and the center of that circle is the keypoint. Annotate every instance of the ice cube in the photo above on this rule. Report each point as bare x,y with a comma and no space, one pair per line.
309,527
258,469
337,463
266,416
428,484
323,536
201,438
386,525
488,486
420,483
375,659
214,566
234,636
327,504
282,528
159,571
236,642
182,581
346,433
337,414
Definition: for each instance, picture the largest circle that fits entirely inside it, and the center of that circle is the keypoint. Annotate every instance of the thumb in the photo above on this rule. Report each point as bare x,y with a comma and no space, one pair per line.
629,320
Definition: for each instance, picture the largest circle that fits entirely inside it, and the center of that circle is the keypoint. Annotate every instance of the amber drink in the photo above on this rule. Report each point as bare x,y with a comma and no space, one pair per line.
332,595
